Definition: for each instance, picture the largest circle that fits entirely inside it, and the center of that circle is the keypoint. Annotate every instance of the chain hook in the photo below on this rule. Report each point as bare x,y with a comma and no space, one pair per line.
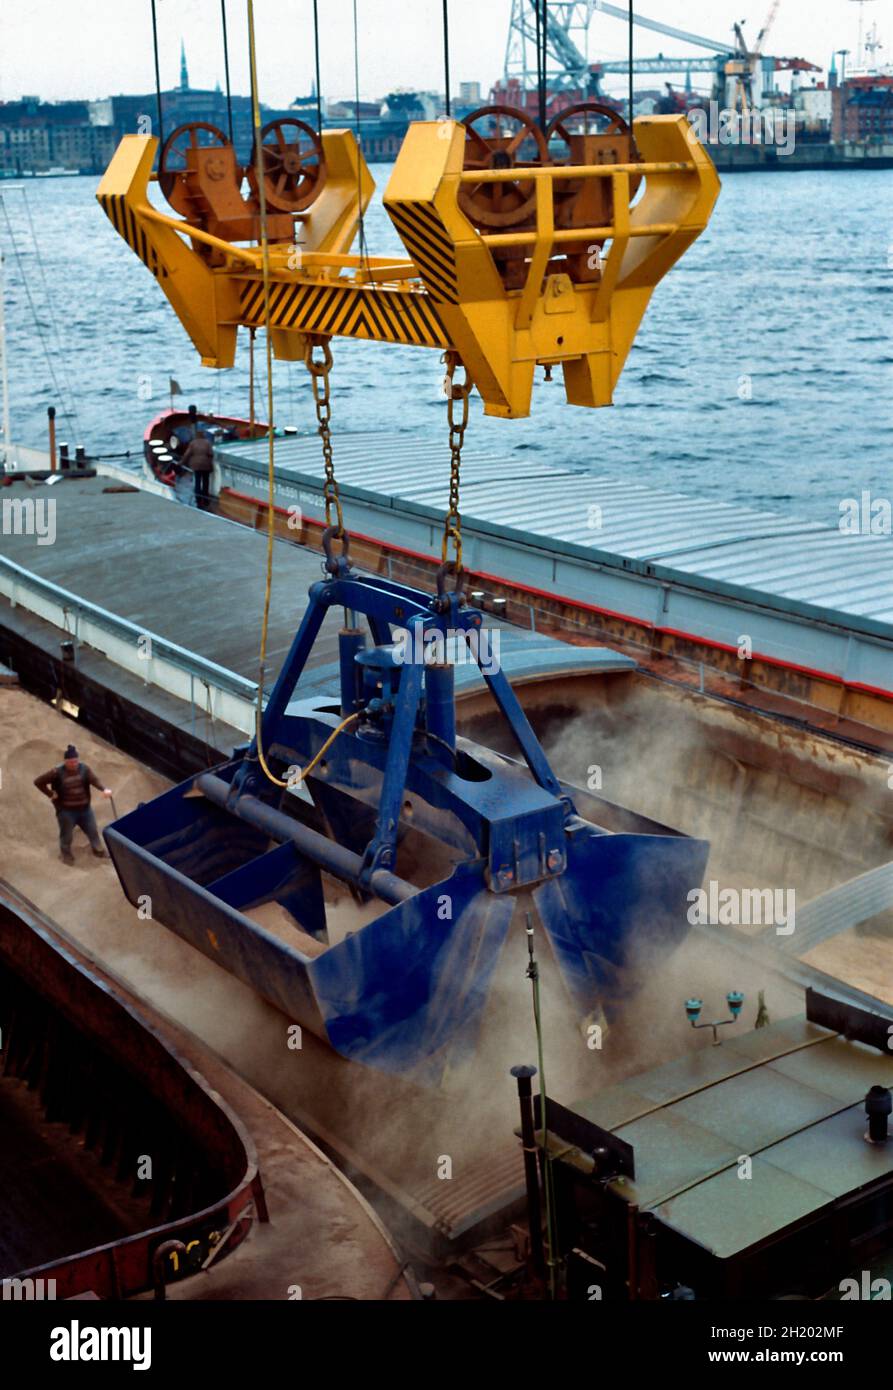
457,392
322,368
319,369
336,565
442,601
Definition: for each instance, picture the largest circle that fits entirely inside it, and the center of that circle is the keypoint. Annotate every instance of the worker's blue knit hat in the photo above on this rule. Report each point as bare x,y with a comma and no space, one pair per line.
71,751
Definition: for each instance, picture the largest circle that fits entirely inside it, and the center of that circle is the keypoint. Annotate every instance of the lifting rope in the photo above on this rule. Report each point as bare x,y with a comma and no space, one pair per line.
446,56
319,374
48,348
316,61
540,8
265,264
364,254
453,390
229,100
157,78
552,1248
630,36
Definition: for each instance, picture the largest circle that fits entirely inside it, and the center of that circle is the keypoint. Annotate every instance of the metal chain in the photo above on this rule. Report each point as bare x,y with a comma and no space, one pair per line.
455,391
319,375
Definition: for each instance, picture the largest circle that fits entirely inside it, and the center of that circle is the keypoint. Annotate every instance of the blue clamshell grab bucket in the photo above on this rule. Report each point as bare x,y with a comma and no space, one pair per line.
442,840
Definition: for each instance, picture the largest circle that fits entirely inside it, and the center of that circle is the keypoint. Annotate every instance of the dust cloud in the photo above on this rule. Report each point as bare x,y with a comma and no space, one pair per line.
395,1128
781,806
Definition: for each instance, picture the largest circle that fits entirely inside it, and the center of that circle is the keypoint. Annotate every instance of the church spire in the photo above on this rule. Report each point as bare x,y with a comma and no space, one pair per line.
184,71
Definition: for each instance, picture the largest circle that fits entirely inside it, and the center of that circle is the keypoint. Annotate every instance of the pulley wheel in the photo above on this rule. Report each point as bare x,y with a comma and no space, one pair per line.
586,118
179,159
293,164
507,139
592,134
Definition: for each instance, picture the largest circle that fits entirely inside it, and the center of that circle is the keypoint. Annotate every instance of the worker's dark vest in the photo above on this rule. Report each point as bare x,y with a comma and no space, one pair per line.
58,775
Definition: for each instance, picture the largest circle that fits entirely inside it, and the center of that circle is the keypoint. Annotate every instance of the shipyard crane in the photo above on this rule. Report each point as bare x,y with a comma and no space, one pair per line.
767,25
570,70
746,65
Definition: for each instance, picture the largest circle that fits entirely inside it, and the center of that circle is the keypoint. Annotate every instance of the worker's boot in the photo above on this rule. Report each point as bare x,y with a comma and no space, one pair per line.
99,853
66,856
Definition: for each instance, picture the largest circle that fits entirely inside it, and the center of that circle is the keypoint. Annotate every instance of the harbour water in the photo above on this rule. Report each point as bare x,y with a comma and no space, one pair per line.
763,373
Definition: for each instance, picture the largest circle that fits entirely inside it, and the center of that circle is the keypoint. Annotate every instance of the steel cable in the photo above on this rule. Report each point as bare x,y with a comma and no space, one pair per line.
37,324
229,100
157,77
53,322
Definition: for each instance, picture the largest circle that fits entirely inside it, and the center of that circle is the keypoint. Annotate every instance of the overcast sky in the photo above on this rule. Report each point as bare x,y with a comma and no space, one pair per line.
90,48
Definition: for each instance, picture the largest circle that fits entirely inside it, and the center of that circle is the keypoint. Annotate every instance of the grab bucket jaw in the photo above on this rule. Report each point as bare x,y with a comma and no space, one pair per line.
437,841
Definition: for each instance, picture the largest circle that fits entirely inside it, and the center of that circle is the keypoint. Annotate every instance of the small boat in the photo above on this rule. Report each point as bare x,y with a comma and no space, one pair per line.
169,433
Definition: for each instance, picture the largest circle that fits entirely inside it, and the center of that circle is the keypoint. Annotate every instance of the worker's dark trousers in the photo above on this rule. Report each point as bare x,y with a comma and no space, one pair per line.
202,497
67,822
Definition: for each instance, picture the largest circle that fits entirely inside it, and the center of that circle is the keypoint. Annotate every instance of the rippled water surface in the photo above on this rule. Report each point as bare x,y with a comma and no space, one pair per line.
786,299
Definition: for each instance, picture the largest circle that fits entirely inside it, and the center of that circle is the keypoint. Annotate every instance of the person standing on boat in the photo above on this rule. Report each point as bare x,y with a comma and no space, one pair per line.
68,787
199,456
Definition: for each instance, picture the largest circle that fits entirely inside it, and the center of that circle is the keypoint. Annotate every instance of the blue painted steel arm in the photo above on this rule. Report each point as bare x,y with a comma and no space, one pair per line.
389,603
291,671
381,631
514,715
380,852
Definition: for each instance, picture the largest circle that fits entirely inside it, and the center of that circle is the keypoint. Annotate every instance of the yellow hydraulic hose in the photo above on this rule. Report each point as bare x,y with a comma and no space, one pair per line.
265,263
268,586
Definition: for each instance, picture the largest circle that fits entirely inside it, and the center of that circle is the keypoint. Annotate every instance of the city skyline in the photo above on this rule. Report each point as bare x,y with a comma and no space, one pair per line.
478,31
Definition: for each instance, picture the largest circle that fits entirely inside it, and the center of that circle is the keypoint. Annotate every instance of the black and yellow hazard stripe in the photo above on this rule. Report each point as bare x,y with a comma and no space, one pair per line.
427,241
351,311
125,224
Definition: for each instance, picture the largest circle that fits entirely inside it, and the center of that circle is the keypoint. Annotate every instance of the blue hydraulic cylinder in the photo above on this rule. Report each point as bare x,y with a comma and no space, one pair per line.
351,640
440,711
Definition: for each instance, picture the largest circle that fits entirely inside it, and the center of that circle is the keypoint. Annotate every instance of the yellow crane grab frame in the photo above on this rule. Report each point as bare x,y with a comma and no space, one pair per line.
449,293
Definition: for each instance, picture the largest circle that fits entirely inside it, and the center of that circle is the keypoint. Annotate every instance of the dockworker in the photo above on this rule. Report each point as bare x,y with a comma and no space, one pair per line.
68,787
199,456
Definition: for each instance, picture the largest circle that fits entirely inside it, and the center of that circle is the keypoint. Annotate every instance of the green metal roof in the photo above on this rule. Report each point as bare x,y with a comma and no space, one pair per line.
789,1096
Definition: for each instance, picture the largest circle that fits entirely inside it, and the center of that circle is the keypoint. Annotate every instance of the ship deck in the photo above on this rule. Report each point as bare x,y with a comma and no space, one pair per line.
163,604
814,602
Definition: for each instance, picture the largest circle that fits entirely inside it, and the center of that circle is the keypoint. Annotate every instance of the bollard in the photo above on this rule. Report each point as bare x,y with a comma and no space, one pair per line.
878,1105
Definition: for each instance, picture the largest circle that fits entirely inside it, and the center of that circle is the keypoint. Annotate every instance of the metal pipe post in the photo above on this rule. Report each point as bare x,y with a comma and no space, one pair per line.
351,640
328,854
440,710
524,1076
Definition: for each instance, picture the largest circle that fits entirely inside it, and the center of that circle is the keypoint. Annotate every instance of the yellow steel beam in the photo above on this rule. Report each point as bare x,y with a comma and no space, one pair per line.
549,173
